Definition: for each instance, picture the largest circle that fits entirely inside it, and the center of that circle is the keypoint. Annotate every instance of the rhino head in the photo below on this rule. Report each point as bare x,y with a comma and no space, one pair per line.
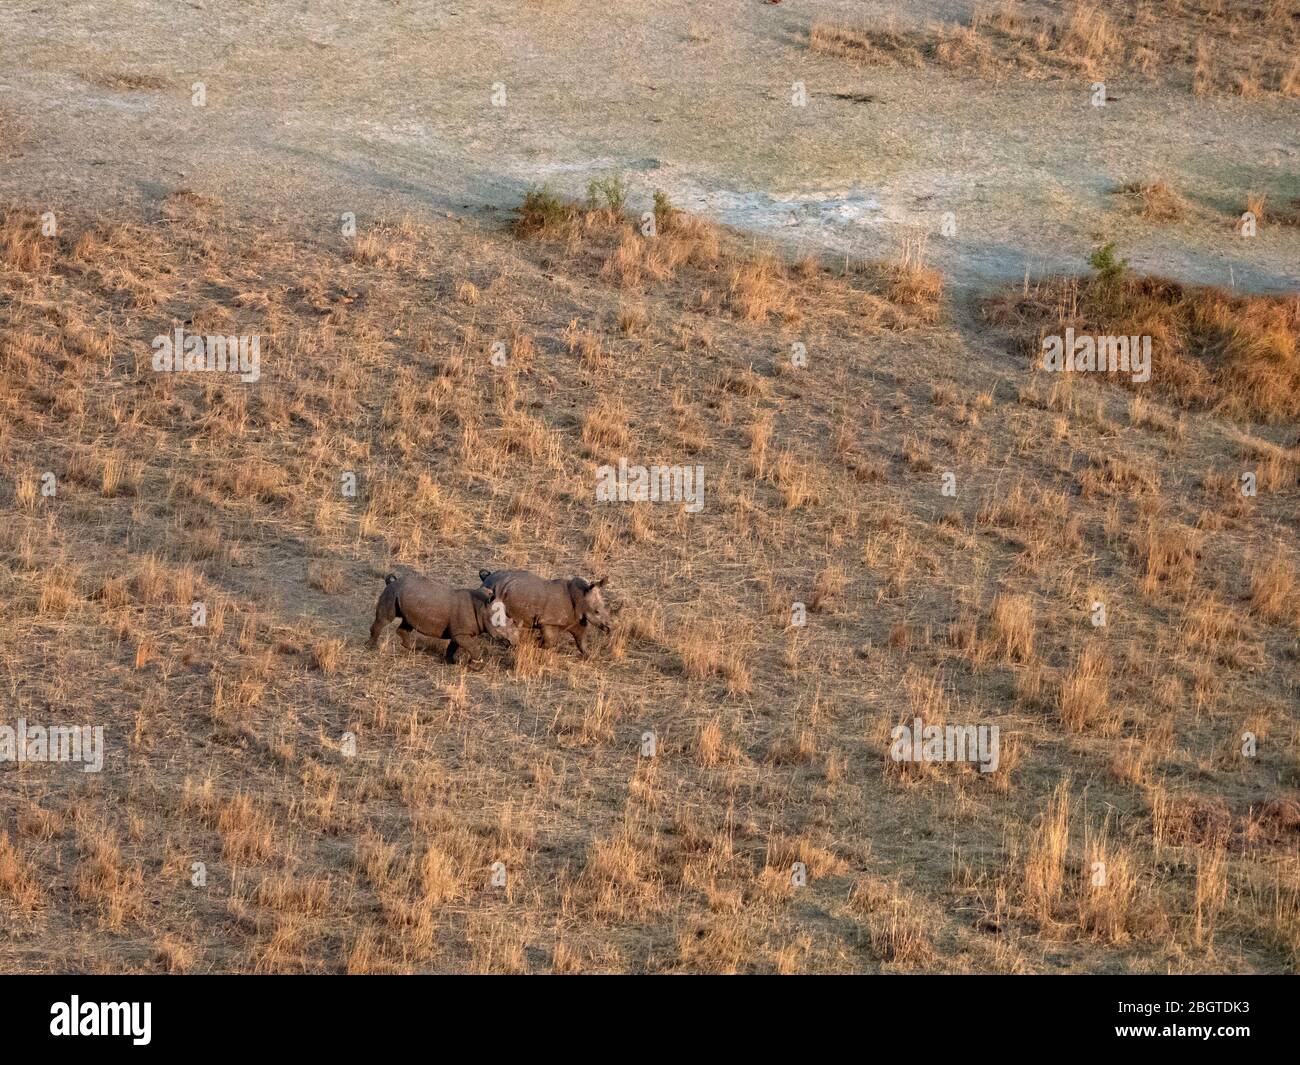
589,602
493,618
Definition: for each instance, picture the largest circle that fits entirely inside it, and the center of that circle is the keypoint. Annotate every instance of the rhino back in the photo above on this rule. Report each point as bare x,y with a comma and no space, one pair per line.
532,600
426,604
497,580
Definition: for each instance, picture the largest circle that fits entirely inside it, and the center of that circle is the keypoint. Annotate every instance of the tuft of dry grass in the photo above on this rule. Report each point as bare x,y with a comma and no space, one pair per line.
174,954
1084,694
1012,626
1044,874
1273,588
17,883
896,932
1155,201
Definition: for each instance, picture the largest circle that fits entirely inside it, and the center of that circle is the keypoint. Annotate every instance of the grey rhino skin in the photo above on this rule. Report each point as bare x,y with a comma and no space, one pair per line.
459,615
571,606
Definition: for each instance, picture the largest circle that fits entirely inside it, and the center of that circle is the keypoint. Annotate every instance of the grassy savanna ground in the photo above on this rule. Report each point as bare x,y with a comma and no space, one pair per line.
1120,744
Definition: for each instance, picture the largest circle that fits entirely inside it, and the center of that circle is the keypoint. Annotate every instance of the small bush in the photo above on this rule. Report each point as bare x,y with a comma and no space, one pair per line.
609,193
665,212
542,211
1109,268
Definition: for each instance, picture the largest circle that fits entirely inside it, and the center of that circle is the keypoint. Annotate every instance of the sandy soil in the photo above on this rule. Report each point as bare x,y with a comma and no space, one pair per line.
372,106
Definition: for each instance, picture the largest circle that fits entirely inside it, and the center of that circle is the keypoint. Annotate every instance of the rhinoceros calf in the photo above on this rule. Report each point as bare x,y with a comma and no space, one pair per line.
571,606
459,615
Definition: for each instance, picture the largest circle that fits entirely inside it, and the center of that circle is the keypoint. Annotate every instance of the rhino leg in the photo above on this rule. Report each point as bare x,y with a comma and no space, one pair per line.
579,634
550,633
471,645
385,612
406,631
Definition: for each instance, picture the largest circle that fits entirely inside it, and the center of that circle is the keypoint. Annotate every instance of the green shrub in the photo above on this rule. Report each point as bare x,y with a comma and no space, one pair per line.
542,210
664,211
608,192
1108,267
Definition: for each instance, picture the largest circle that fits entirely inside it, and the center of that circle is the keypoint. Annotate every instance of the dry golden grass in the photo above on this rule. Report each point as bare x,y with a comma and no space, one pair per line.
708,269
1211,349
1156,201
358,811
898,935
1274,588
1248,47
16,880
1084,693
1012,627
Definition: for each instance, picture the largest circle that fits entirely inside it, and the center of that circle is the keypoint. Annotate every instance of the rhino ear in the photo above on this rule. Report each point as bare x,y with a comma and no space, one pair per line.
599,582
491,593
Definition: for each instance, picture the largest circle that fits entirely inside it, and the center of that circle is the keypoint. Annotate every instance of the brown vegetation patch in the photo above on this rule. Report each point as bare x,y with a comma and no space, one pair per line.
1210,349
706,268
1247,48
